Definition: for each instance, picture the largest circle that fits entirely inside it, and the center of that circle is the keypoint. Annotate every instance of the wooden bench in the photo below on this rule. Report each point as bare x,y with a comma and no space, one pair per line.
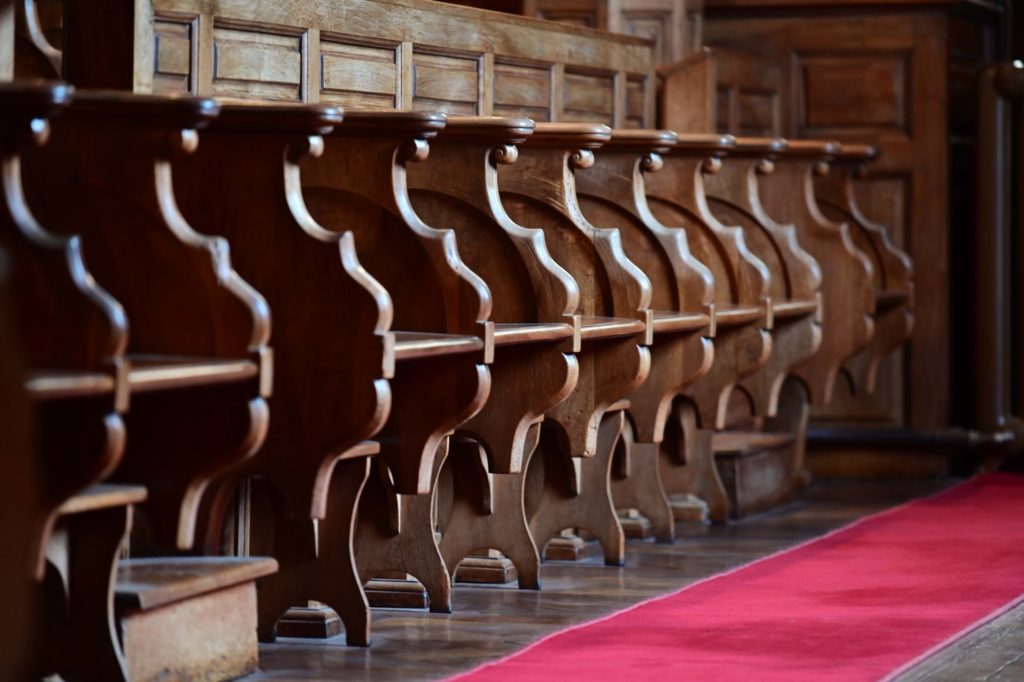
742,319
444,339
570,471
760,477
194,374
334,352
536,328
612,193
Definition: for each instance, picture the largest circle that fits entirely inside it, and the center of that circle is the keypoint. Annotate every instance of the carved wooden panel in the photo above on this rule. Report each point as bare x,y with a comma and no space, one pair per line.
359,75
838,91
404,54
583,13
249,63
173,59
446,83
522,90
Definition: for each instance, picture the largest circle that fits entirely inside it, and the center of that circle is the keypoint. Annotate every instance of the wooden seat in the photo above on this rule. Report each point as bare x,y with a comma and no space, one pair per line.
892,274
612,193
535,331
540,190
334,354
742,315
360,183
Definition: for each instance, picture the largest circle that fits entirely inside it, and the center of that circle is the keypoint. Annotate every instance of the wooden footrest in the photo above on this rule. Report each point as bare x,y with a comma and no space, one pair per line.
757,469
187,618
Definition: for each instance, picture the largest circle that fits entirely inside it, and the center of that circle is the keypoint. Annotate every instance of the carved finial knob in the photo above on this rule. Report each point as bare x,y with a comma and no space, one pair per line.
821,168
189,140
652,163
415,150
711,165
40,130
505,155
582,159
310,145
179,143
765,167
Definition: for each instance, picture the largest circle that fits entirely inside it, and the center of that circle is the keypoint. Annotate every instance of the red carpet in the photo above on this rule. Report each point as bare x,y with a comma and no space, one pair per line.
861,603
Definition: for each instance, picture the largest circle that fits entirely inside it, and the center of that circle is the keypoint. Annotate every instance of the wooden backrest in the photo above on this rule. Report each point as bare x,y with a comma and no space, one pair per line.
457,186
331,318
379,54
612,194
734,196
678,197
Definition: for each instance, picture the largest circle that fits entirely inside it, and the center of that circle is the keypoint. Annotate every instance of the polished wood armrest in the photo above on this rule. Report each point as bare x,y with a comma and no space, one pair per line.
667,321
509,333
422,124
103,496
413,345
886,299
732,316
569,135
785,309
162,372
56,385
609,327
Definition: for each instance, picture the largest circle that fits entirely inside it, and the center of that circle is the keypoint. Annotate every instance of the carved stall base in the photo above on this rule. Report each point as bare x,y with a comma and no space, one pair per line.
687,466
315,621
636,486
486,570
567,546
573,492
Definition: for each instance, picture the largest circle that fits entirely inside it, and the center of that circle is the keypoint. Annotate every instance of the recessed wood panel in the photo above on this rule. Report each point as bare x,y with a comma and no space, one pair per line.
723,110
654,26
522,91
634,103
257,65
757,113
446,83
359,75
172,66
588,98
861,91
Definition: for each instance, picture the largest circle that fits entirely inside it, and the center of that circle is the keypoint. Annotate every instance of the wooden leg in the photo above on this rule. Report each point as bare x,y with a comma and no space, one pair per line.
794,413
687,464
395,534
574,492
94,545
328,575
636,484
488,513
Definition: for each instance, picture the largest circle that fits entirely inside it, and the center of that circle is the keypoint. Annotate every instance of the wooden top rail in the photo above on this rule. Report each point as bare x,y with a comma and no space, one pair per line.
380,54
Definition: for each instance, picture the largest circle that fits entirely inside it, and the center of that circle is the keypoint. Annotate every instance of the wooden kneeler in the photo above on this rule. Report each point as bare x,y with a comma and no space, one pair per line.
535,329
197,367
893,270
612,193
539,190
333,354
763,465
742,320
442,343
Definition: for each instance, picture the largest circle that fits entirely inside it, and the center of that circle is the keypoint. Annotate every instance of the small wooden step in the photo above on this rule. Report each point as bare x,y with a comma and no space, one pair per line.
412,345
396,594
186,618
758,470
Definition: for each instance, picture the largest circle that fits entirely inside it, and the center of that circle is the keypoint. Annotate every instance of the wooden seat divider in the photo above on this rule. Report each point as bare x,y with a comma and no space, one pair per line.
536,329
194,377
334,352
568,478
761,470
893,271
444,339
71,335
612,193
743,318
